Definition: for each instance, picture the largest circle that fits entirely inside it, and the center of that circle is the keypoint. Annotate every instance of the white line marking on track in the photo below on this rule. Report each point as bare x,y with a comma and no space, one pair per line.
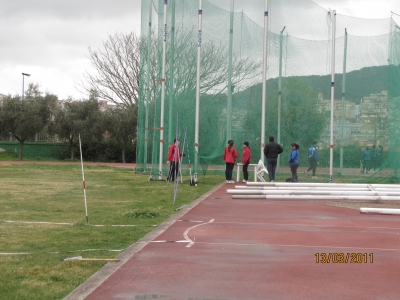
185,234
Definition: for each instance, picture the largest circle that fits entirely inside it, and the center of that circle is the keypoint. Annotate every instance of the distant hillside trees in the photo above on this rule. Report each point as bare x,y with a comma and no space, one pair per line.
301,121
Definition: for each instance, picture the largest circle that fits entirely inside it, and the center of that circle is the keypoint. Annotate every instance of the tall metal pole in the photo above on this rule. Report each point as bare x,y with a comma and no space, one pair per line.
264,78
160,163
197,119
280,91
171,72
343,99
23,89
146,122
230,87
332,95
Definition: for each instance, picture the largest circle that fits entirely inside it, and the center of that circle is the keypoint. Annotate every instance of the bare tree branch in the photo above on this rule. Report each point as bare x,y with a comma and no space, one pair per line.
117,68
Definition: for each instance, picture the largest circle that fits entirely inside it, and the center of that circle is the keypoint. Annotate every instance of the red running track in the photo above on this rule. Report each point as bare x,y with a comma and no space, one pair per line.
258,249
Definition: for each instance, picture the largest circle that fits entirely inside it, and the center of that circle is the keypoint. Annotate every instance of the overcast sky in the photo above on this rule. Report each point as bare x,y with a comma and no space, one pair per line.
50,38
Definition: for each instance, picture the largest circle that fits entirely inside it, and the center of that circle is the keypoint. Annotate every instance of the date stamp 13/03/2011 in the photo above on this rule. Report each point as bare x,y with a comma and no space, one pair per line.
344,258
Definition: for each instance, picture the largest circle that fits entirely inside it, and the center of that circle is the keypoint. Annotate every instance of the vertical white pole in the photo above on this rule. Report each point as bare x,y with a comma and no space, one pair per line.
230,87
23,86
196,131
83,180
280,91
146,129
332,94
264,80
163,92
171,71
343,99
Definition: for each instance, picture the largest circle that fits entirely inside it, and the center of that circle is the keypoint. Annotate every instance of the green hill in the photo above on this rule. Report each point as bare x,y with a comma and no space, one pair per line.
359,84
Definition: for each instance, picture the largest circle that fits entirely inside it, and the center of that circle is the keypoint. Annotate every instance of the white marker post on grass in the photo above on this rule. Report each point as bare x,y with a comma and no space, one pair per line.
83,180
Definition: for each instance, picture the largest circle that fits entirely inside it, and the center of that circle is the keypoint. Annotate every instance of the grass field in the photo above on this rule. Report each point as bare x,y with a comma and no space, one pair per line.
31,251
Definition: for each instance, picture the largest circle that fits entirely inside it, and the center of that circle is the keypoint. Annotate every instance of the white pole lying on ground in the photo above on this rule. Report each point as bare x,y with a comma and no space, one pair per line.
317,197
382,211
316,191
289,192
83,180
344,185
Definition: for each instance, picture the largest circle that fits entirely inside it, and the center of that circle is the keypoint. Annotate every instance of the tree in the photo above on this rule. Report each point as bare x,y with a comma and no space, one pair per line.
118,70
116,77
119,73
122,127
301,121
214,66
25,118
76,118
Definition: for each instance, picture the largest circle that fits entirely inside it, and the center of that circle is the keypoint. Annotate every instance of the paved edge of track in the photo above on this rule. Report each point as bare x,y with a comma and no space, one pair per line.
90,284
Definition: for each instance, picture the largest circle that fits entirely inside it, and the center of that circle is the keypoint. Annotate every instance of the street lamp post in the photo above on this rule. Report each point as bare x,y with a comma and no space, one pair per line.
23,76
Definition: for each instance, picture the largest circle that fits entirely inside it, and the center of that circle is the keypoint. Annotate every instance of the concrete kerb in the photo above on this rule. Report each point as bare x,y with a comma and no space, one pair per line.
87,287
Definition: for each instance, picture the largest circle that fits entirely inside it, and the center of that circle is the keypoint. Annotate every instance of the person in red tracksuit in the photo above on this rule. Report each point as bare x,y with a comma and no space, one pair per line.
174,154
246,160
230,155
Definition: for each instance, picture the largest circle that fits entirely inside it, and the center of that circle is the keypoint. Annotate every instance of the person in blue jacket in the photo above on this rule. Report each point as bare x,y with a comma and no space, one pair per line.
366,158
294,160
312,156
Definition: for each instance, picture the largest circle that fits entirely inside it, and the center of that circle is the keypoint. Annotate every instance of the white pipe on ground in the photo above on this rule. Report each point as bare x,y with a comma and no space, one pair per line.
242,187
318,197
382,211
322,184
312,192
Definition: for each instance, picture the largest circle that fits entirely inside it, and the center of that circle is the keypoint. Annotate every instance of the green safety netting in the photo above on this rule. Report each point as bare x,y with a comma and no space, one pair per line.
298,88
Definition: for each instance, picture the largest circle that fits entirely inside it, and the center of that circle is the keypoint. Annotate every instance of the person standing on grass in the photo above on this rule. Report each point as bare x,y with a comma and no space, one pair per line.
366,157
230,155
174,154
294,160
312,156
271,152
246,160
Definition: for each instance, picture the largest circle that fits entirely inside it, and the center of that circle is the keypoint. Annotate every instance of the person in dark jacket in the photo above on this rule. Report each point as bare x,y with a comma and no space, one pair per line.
294,161
271,152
